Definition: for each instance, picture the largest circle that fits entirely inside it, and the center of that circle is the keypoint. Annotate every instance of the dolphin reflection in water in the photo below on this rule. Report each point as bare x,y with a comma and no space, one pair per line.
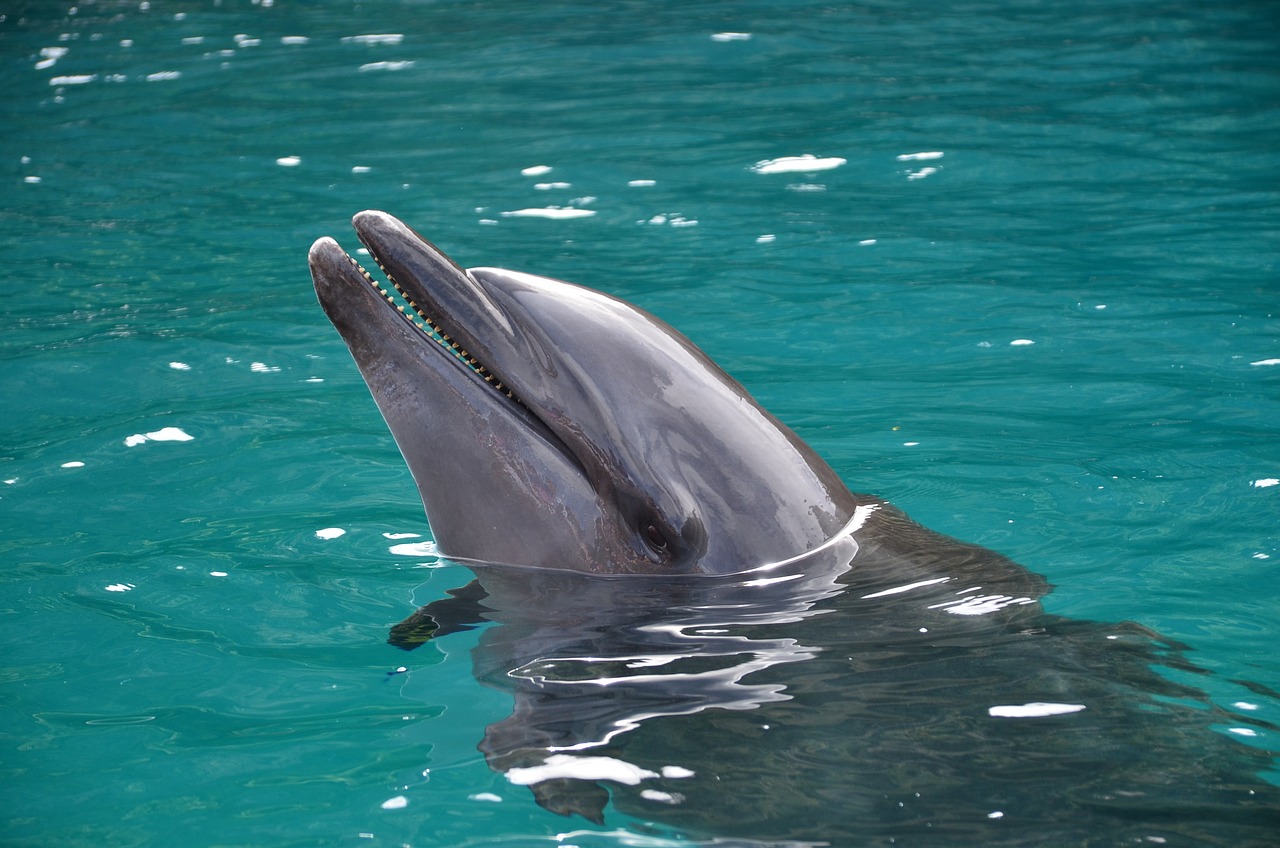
700,625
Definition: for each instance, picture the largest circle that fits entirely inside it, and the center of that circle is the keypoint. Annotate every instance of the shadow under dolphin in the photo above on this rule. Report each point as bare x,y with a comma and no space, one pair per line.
700,625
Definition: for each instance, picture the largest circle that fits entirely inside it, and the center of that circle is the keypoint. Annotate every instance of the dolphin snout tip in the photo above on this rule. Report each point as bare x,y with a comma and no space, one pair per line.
370,216
322,248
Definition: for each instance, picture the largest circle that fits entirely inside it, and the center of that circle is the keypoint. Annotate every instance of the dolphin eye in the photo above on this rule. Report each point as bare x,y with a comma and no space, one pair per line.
654,539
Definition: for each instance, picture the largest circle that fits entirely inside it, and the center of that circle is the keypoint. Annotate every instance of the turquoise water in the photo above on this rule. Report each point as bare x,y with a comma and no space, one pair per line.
1035,306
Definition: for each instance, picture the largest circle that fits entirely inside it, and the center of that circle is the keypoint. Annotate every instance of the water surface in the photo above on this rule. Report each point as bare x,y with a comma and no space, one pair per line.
1034,305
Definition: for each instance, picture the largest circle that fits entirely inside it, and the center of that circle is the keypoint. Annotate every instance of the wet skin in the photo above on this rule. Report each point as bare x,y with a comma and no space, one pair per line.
690,608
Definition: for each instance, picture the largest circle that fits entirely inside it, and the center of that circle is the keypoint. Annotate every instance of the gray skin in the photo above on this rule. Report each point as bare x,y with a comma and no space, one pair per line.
629,450
614,516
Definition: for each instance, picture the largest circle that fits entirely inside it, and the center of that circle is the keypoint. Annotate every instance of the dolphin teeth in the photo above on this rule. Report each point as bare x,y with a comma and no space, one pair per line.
429,327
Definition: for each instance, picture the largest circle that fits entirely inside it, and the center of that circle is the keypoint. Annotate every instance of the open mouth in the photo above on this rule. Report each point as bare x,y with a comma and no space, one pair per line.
447,309
430,328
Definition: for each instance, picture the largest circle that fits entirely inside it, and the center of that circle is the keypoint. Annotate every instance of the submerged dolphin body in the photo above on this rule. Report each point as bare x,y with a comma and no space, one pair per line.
692,609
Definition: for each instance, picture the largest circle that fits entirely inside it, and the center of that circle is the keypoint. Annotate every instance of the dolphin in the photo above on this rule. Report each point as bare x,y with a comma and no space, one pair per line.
566,413
690,608
597,432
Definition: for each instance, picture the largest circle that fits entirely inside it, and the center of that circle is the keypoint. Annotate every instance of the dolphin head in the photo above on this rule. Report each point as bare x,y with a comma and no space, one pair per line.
550,425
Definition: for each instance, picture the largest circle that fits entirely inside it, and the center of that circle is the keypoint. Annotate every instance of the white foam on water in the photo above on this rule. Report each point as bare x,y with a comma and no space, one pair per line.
552,212
416,549
804,164
374,38
49,57
660,797
386,66
170,434
1035,709
673,219
164,434
569,767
